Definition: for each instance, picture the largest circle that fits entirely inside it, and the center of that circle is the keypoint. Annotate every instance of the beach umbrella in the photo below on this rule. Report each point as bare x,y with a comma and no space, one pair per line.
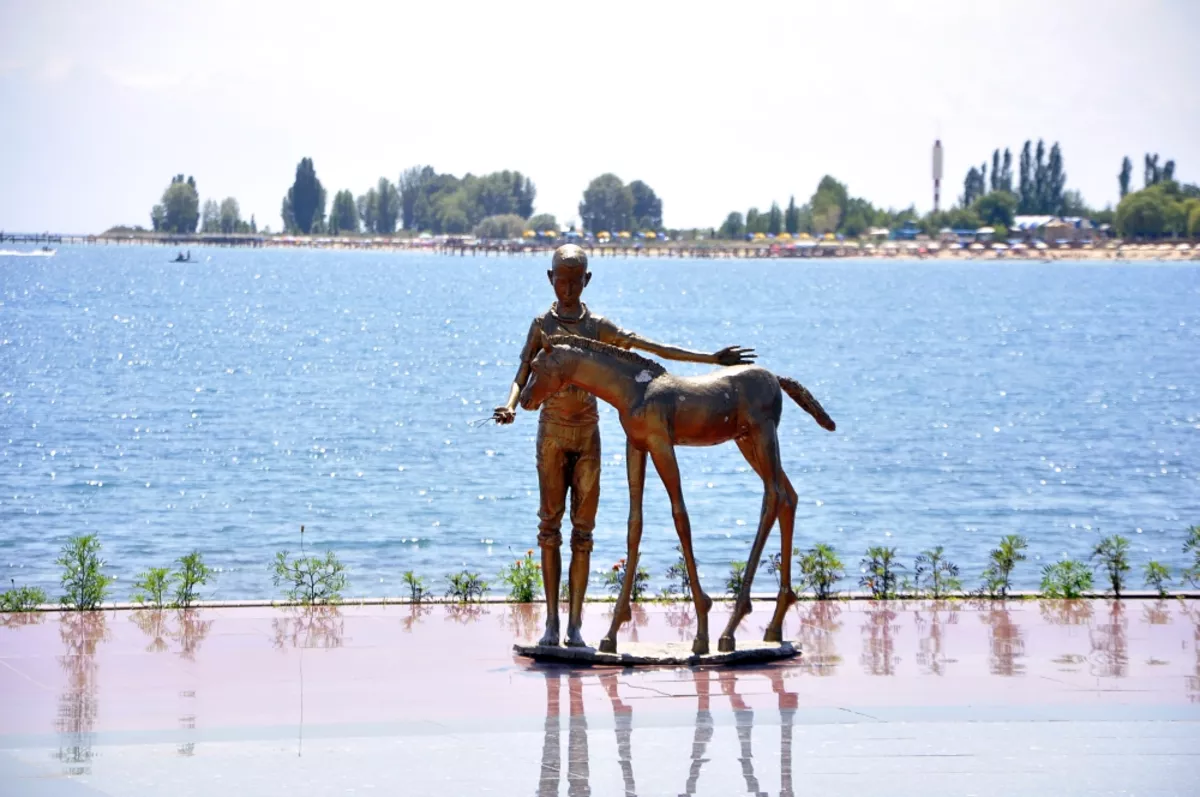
805,236
999,247
976,247
1164,247
758,236
934,246
624,234
529,234
956,245
1039,245
651,234
1017,247
785,236
828,236
870,247
1182,248
985,231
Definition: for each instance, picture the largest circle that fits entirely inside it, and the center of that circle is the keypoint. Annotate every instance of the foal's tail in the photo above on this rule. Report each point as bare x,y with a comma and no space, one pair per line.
801,396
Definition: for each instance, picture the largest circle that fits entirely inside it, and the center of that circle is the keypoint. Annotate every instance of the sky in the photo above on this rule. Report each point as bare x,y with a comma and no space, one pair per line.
717,106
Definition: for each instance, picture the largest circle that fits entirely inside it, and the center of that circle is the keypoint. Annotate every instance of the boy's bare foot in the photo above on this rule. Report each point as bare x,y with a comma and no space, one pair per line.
550,638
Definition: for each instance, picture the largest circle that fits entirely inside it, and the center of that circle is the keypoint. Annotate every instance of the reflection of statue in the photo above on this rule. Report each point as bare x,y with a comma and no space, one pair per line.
568,439
1110,650
660,411
930,655
879,650
81,633
309,627
1006,642
578,772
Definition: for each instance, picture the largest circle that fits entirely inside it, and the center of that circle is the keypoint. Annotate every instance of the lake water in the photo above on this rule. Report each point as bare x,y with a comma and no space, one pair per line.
220,404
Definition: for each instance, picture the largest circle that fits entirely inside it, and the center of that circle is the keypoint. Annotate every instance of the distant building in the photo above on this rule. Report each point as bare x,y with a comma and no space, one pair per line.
1055,229
907,232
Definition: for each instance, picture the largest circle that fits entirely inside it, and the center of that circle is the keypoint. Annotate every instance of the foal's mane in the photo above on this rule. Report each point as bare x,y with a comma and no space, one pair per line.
578,342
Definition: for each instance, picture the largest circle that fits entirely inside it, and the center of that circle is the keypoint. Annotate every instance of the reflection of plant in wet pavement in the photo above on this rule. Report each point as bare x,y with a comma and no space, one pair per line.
879,647
680,617
1110,651
309,627
1006,642
183,626
524,620
1065,612
465,613
415,612
80,633
930,655
816,632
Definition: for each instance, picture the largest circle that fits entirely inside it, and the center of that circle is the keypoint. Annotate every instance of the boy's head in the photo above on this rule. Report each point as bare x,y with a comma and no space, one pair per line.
568,273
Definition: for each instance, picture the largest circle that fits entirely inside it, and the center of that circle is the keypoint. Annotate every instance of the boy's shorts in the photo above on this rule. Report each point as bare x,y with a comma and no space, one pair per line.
568,457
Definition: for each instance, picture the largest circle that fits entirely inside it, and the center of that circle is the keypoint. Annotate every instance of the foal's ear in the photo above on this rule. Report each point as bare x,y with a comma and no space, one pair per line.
547,346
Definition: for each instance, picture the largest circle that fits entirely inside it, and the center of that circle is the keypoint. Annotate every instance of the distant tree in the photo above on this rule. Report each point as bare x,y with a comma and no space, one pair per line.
503,227
409,186
179,210
1152,212
973,187
210,217
542,222
1151,174
996,208
791,217
647,207
231,216
774,219
388,212
983,178
1040,179
304,205
1025,185
1005,182
1168,170
995,184
1073,205
1125,174
343,213
1056,182
1193,222
367,209
755,222
607,205
734,227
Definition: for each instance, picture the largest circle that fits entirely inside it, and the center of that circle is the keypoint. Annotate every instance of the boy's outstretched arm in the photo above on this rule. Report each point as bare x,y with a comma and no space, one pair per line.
730,355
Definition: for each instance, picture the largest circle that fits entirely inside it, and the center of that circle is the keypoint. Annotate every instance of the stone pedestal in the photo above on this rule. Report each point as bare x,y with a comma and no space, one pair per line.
660,654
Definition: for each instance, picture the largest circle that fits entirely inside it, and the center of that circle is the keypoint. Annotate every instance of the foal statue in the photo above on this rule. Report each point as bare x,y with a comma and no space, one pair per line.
659,411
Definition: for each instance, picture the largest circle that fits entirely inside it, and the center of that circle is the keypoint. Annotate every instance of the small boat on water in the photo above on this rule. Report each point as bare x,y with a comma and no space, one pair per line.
45,251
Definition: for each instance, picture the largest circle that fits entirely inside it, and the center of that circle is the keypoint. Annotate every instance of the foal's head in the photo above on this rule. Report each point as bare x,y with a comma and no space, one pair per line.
547,375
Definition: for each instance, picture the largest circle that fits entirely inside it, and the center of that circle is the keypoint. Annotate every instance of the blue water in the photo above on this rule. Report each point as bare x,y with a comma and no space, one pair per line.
221,404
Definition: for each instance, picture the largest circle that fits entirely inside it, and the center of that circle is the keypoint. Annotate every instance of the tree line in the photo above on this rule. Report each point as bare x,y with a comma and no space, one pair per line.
179,211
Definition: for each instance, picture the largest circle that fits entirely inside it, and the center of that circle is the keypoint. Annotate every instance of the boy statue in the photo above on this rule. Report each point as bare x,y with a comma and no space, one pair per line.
568,438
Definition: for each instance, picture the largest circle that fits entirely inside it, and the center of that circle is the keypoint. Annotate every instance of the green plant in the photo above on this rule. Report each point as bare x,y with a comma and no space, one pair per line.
880,577
997,577
736,578
934,574
21,599
678,582
524,578
309,580
417,589
85,586
1192,545
192,573
820,570
465,587
1066,579
1157,576
1113,553
614,578
152,586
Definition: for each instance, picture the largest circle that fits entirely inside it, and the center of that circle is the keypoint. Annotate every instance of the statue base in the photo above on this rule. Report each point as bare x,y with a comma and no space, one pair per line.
660,654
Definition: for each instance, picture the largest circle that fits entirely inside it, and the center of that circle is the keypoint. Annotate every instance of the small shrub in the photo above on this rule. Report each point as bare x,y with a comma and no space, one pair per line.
465,587
935,575
614,578
1113,553
418,591
192,573
85,586
309,580
880,575
1157,576
997,578
1066,579
736,578
678,582
21,599
152,586
1192,545
820,570
524,578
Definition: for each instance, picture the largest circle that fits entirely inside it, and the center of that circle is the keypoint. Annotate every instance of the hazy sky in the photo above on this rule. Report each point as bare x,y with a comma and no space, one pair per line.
717,106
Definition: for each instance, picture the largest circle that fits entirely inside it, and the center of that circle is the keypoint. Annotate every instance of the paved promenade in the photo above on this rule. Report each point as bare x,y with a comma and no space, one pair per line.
910,698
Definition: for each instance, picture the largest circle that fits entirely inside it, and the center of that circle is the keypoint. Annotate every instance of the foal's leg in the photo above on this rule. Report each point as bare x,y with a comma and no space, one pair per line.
635,466
787,522
663,454
760,450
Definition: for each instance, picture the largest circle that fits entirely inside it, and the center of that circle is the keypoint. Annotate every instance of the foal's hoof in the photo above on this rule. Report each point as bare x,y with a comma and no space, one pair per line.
700,647
726,644
773,635
608,645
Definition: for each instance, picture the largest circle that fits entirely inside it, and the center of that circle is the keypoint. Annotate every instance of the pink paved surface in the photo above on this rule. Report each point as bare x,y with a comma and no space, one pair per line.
432,700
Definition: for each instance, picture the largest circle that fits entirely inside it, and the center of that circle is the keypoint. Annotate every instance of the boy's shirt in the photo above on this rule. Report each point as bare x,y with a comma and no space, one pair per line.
572,406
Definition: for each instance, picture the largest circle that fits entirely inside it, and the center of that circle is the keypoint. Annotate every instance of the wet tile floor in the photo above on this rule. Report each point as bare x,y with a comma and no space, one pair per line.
912,697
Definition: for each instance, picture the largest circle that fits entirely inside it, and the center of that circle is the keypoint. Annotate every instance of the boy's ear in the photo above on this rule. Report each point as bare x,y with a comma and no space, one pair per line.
550,275
587,278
